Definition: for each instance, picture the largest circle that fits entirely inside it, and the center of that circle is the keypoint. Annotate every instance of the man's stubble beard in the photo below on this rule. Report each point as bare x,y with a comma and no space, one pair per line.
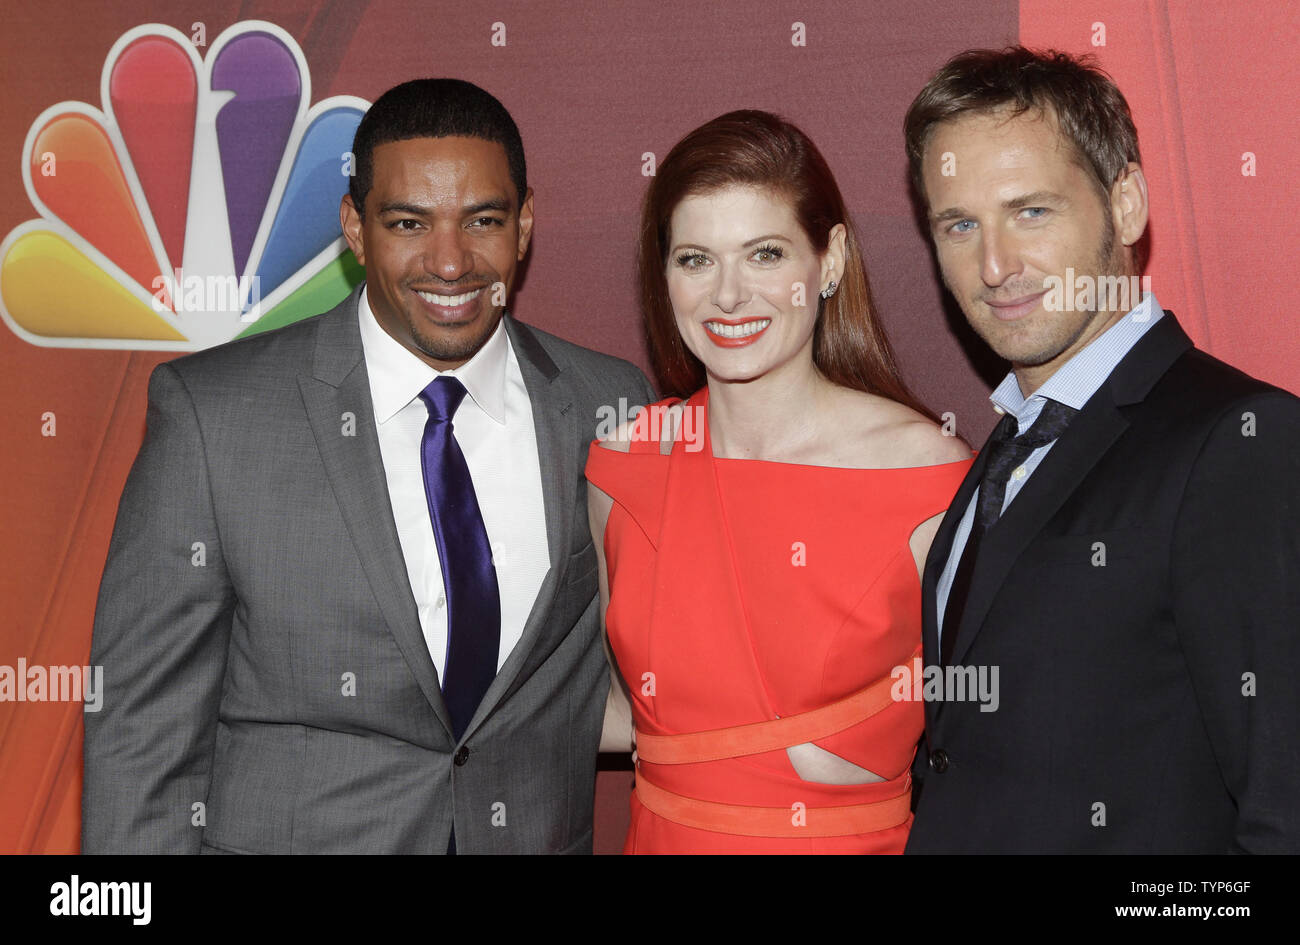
1103,264
458,347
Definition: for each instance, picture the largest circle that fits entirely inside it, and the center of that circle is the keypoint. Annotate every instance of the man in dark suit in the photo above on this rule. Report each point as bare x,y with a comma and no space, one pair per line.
1122,558
333,620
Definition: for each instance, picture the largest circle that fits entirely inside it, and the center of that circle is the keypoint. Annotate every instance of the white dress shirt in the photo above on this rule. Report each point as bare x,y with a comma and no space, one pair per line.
494,428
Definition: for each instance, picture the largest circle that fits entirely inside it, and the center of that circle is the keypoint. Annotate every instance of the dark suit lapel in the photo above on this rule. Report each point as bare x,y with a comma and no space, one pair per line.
940,550
937,559
1061,473
1091,433
339,385
558,435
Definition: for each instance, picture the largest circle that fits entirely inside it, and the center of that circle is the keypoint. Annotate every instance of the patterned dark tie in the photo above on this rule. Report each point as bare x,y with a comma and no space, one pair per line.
1006,452
469,577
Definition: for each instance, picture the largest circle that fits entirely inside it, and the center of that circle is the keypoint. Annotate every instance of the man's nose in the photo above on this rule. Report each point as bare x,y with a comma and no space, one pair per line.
1000,258
446,254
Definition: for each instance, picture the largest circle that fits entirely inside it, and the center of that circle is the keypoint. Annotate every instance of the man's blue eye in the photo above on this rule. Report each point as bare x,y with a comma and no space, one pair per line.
962,226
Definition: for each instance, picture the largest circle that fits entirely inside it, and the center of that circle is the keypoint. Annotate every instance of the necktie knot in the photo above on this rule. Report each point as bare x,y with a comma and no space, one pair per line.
1051,423
1007,451
443,396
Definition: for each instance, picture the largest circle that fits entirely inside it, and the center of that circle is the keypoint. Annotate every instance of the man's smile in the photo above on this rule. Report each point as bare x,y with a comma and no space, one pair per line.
446,307
1008,310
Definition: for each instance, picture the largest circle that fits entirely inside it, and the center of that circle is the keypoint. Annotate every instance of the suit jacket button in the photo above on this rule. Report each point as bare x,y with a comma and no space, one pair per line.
462,756
939,760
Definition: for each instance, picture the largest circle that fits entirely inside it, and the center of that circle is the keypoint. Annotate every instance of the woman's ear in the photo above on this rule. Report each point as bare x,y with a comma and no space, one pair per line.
833,258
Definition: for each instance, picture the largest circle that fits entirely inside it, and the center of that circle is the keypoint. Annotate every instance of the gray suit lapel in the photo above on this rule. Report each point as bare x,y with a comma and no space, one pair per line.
339,385
558,434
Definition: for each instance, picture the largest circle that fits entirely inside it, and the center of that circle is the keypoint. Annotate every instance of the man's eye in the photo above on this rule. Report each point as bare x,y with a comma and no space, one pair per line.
486,222
962,226
1035,213
404,225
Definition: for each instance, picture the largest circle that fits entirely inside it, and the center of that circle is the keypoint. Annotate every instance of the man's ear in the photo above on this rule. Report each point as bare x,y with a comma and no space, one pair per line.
1128,204
525,223
350,221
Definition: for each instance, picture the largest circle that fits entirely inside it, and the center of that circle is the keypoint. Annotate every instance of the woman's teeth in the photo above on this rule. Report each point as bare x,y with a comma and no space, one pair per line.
448,301
738,331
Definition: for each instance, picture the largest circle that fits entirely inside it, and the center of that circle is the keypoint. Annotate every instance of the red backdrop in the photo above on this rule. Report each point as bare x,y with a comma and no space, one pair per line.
1211,85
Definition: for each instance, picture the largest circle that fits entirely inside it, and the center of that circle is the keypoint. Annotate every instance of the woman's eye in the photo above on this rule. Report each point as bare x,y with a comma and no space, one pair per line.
692,260
768,254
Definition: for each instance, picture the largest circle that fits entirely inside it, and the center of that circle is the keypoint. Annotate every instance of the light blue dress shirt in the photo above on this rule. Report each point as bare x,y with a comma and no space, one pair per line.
1073,384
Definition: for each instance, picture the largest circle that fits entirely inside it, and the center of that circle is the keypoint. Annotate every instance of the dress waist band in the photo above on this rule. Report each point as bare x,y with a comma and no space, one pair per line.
756,737
794,821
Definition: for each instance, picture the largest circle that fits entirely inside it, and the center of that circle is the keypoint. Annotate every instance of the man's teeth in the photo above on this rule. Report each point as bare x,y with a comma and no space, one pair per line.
448,301
738,331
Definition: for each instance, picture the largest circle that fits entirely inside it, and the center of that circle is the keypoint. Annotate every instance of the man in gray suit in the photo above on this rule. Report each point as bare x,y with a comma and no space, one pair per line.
333,620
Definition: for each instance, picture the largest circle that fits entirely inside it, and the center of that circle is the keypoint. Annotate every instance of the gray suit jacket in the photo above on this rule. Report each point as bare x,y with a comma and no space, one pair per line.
267,685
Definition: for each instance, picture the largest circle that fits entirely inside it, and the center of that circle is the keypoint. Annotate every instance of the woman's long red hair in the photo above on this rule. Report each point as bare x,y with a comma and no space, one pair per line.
755,148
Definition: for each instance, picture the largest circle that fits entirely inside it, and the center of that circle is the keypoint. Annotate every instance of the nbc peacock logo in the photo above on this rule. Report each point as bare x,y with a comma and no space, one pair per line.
199,205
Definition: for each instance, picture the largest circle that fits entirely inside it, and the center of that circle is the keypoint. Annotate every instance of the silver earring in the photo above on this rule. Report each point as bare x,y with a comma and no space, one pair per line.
829,290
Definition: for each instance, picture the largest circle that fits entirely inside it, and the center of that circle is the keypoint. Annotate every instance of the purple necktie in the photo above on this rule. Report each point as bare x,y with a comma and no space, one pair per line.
468,576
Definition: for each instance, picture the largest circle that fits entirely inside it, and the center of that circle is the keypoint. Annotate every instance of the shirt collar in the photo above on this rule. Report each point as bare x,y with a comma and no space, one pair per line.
397,376
1078,379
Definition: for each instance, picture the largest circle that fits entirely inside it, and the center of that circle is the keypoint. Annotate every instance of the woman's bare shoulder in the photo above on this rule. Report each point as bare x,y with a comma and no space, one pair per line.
620,440
891,434
665,426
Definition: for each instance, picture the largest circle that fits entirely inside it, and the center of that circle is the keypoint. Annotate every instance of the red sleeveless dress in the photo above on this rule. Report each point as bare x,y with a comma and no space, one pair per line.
745,591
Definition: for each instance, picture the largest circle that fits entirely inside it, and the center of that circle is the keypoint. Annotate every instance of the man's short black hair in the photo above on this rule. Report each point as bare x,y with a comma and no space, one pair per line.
433,108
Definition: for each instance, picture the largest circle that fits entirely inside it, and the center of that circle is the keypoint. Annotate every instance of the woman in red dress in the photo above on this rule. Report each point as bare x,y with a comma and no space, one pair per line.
760,541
